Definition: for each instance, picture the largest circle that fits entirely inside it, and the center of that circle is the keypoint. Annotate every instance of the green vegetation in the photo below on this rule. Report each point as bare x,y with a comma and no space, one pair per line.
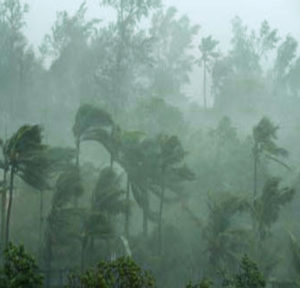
112,177
19,269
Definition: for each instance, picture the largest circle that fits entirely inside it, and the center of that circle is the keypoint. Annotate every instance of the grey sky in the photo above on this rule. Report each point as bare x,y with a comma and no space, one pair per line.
214,16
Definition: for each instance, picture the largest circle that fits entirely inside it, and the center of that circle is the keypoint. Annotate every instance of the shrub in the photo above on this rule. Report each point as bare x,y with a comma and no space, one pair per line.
19,270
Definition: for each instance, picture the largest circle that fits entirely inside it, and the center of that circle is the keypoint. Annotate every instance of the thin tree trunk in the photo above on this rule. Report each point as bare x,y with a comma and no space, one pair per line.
254,219
83,250
127,208
111,161
11,188
204,85
3,211
255,179
49,253
255,154
75,200
77,152
145,222
162,196
41,221
146,214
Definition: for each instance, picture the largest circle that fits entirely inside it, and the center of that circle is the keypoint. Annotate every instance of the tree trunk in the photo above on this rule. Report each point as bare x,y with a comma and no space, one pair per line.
162,196
83,250
41,221
255,153
3,211
127,208
204,85
145,214
255,179
145,222
11,188
77,152
49,253
111,161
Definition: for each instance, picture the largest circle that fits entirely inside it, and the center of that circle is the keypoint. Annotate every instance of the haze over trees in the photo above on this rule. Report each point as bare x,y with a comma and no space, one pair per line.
105,158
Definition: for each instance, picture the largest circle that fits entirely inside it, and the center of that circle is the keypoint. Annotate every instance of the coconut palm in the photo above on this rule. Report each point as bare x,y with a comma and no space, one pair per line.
224,240
138,157
267,206
209,54
58,159
171,170
62,229
26,159
264,136
107,202
128,159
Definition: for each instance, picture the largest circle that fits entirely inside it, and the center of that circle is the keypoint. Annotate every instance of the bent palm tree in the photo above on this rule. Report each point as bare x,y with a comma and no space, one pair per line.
25,158
61,228
138,158
106,202
264,136
93,124
171,170
267,207
224,241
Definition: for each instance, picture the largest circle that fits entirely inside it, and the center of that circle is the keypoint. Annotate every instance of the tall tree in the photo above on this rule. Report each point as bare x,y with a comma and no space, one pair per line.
107,202
26,159
62,230
237,77
140,159
209,54
171,158
72,65
128,50
267,207
172,59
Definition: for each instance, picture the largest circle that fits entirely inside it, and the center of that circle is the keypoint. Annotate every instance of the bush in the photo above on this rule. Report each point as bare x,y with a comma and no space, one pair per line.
20,269
248,277
122,273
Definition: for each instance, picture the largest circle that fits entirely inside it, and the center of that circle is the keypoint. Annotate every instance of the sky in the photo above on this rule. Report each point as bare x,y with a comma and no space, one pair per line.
214,16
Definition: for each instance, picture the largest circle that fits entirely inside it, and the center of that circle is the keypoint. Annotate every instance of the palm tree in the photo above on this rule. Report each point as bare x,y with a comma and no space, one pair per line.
60,229
106,203
267,206
129,159
224,240
94,124
25,159
264,136
138,158
171,170
58,159
209,54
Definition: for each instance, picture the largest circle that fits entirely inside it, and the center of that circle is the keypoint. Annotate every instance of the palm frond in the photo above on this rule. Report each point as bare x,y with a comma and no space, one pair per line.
108,192
68,186
90,117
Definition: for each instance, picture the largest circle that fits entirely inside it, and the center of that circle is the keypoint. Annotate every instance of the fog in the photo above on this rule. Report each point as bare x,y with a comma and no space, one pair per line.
213,16
149,143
